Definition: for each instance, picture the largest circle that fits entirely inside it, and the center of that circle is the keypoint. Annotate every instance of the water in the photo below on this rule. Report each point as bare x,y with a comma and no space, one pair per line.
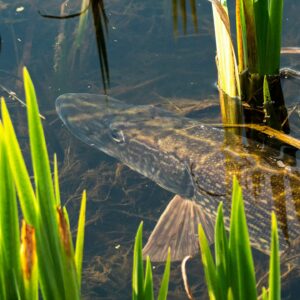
146,65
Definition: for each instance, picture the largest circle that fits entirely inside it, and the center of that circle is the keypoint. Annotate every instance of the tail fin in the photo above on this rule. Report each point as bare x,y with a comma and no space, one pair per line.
177,228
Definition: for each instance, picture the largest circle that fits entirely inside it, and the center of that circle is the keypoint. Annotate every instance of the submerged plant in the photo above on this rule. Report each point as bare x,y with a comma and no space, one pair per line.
45,258
231,275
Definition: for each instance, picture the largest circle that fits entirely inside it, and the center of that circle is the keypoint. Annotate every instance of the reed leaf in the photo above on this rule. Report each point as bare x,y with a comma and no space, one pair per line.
240,250
274,36
50,261
47,256
262,24
29,205
29,261
9,233
274,276
56,182
248,15
241,36
148,284
142,285
66,256
163,291
222,255
80,237
138,268
211,276
228,80
18,169
264,295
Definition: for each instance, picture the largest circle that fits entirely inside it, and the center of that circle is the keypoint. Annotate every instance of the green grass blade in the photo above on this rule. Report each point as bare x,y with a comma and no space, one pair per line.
9,233
249,19
240,41
262,25
163,291
29,262
222,253
29,204
148,284
80,237
210,271
2,275
39,154
274,36
19,170
56,182
240,250
230,294
70,275
274,276
264,295
138,268
50,262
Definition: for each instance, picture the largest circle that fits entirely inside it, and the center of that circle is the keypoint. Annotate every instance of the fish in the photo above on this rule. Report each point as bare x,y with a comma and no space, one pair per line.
196,162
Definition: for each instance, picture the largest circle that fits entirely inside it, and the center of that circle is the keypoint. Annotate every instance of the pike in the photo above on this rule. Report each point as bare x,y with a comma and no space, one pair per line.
196,162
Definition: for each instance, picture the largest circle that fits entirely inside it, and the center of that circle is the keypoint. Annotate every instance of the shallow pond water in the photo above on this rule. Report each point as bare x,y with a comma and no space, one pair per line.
147,64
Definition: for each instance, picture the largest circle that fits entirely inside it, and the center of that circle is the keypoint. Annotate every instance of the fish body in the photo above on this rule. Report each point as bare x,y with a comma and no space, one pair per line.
195,161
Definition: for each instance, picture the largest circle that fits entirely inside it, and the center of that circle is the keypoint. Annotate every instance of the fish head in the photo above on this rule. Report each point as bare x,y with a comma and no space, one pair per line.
94,119
131,134
109,124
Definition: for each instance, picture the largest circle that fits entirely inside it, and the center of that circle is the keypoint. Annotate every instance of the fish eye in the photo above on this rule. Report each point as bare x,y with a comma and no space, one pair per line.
117,135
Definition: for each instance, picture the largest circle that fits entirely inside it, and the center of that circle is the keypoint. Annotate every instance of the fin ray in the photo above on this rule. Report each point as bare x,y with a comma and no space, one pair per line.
177,228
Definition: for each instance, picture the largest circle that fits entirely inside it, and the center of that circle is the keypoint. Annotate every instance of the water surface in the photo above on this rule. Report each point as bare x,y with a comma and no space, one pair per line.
147,65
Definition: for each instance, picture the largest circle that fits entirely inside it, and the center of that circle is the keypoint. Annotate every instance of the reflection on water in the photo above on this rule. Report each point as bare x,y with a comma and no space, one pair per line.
147,65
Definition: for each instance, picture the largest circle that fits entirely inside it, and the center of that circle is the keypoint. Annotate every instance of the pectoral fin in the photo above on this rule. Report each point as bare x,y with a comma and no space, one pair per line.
177,228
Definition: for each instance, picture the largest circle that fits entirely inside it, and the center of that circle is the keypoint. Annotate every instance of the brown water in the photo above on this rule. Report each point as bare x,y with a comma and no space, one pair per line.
147,64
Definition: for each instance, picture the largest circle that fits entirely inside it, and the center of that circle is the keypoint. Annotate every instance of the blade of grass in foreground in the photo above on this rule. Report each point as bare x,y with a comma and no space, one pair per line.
211,276
148,285
29,261
142,286
222,253
29,206
274,277
51,265
163,291
138,269
18,169
47,255
80,237
239,245
9,233
40,159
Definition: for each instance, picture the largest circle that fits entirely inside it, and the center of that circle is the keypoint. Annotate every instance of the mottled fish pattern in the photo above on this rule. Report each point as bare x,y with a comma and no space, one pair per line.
193,160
